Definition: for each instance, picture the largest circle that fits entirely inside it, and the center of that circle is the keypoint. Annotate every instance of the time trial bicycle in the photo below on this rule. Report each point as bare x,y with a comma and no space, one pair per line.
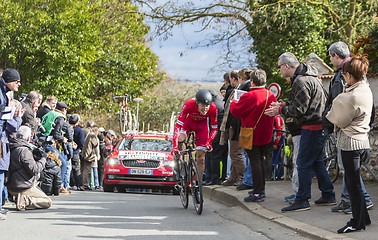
189,180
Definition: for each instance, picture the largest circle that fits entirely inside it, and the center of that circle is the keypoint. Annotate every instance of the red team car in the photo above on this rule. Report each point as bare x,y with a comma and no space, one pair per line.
140,161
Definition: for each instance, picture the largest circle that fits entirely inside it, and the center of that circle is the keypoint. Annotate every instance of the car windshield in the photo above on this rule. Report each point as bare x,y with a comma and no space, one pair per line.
146,144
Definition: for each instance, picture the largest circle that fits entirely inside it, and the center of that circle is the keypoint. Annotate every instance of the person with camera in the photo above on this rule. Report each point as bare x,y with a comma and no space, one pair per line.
10,81
26,164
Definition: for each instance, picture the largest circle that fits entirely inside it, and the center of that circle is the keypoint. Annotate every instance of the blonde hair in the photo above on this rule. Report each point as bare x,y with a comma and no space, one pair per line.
244,74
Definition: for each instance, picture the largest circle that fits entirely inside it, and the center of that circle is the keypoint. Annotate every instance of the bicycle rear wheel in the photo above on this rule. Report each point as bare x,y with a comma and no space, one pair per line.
184,191
330,157
332,168
196,186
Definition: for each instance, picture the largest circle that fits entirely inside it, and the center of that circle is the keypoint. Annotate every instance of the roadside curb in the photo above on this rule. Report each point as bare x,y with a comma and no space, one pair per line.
228,196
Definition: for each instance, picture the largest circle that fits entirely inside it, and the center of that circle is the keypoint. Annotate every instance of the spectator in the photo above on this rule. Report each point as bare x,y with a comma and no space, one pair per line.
306,108
10,81
339,54
220,152
245,85
49,105
94,183
103,155
111,138
250,109
230,130
90,153
78,144
25,166
223,90
51,179
350,113
68,133
294,138
53,122
31,103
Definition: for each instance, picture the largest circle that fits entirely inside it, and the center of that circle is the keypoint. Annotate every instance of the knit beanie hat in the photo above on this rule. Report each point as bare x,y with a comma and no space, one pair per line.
74,119
10,75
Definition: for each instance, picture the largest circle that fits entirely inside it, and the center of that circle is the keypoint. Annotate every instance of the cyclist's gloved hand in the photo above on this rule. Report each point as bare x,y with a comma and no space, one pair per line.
174,151
208,147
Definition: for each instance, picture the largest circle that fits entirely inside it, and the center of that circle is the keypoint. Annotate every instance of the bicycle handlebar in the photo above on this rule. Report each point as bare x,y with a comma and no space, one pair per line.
277,130
123,97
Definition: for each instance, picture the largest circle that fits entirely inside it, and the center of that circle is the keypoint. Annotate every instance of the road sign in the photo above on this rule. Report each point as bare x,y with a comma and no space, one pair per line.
275,89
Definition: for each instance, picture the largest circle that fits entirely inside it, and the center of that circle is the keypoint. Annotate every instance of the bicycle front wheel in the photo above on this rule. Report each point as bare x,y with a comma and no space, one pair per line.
332,168
123,119
184,191
196,186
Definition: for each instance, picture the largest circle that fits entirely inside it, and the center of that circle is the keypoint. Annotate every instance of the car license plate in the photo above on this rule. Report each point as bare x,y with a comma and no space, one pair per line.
140,171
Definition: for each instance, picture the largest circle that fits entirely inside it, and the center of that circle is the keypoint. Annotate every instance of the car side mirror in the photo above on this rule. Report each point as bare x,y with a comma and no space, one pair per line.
109,148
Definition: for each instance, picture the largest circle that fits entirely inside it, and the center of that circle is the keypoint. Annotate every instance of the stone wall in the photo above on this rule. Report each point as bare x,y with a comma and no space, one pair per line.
373,163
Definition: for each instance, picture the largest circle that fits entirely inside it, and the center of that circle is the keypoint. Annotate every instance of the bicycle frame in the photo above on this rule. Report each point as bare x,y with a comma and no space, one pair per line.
192,184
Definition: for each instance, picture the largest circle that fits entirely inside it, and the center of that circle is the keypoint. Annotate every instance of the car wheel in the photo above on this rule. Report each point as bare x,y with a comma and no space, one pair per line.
108,188
121,189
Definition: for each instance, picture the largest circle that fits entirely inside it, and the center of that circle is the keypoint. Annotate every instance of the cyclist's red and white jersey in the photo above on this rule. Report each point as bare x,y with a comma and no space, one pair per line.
190,110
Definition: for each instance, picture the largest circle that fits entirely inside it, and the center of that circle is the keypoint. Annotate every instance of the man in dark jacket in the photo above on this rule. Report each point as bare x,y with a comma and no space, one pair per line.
32,102
23,170
220,152
306,109
10,81
78,144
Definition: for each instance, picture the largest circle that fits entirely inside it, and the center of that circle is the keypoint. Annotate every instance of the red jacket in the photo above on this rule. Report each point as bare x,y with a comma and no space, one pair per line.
249,108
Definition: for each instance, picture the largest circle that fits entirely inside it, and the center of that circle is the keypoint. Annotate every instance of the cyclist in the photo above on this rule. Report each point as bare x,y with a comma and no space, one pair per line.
194,117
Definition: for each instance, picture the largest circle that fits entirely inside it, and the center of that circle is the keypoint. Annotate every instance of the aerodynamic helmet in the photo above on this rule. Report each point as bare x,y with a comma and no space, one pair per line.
204,97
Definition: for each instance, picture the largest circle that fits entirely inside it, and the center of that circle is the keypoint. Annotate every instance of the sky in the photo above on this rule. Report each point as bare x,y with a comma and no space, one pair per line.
182,63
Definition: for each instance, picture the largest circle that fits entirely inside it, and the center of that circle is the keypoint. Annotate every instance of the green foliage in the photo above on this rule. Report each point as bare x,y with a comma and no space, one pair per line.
81,51
287,28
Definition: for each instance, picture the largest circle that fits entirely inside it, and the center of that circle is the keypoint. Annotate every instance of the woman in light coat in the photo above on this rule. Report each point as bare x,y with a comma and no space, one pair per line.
350,113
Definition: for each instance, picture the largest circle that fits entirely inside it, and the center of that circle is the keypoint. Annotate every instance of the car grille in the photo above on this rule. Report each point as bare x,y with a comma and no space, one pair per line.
126,177
141,164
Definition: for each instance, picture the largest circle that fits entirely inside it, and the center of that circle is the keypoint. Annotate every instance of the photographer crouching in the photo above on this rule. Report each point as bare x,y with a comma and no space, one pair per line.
26,164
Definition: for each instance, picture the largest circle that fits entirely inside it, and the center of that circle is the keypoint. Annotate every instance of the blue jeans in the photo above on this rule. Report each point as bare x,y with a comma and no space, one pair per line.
247,179
310,160
2,176
95,177
65,170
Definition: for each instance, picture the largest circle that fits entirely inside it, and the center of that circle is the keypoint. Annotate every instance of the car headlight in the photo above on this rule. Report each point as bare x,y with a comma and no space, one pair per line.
113,161
169,164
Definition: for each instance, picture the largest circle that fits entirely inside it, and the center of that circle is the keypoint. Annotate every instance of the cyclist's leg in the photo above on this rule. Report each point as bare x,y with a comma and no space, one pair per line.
200,159
202,134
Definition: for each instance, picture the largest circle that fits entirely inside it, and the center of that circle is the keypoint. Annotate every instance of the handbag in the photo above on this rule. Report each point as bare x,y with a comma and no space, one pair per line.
246,133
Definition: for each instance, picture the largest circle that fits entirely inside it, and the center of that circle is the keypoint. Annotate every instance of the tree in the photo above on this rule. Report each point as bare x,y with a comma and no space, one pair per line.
368,46
81,51
268,28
